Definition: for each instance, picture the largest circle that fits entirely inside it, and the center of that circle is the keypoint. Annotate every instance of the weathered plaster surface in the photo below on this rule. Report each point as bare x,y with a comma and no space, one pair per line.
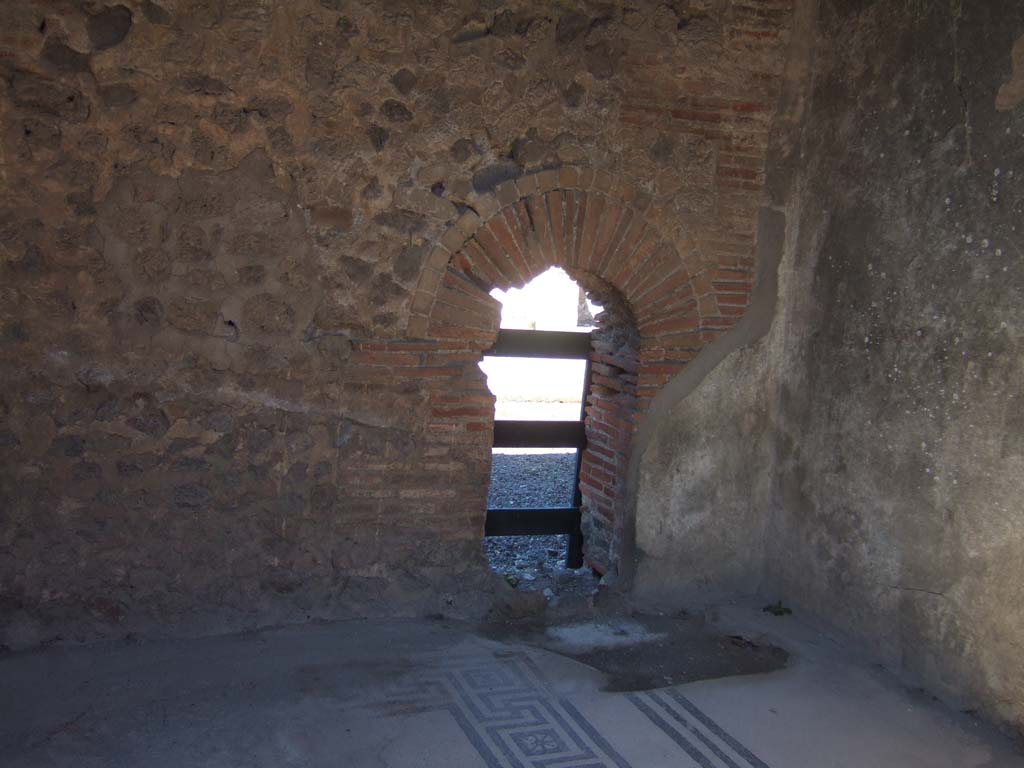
700,509
894,456
900,469
702,459
699,516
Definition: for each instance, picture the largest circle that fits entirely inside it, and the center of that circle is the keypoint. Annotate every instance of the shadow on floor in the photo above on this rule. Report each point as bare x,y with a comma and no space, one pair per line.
646,652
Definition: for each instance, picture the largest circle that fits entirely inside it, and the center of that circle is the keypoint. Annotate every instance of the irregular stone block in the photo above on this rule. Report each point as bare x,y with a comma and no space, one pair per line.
61,58
404,81
192,496
395,111
109,27
266,313
490,176
49,97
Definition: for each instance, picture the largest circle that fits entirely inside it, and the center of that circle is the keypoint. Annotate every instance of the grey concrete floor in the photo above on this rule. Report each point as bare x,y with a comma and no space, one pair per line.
399,694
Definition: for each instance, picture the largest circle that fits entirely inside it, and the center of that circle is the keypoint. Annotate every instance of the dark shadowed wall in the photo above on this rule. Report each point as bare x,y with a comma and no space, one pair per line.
900,445
864,462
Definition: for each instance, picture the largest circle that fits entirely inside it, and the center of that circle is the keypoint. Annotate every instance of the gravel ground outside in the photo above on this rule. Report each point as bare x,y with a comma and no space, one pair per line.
523,479
534,563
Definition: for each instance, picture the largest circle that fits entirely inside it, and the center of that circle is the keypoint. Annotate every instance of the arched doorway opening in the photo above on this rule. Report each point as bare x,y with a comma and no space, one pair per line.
663,302
540,375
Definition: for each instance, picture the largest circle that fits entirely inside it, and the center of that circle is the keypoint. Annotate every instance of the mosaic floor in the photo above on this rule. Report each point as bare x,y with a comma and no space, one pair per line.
506,714
413,694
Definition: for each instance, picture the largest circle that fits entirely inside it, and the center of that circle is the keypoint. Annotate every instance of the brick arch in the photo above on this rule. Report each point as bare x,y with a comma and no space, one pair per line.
599,231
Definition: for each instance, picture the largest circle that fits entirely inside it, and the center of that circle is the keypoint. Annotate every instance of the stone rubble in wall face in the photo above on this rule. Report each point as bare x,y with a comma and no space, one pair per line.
234,209
109,26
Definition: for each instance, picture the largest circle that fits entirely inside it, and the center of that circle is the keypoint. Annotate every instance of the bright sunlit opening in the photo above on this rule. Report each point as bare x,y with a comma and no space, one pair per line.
550,302
538,389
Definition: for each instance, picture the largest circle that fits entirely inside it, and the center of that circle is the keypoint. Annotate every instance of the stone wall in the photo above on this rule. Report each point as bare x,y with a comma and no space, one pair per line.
224,404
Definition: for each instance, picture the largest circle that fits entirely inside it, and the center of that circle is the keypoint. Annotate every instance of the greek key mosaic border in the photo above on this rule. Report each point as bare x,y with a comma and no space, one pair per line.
503,706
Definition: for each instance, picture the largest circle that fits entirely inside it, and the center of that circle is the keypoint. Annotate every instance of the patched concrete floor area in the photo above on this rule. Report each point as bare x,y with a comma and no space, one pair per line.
407,693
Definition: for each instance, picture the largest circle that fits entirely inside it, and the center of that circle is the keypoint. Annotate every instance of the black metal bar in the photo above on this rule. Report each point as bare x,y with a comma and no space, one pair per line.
539,434
566,345
544,434
539,521
574,552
